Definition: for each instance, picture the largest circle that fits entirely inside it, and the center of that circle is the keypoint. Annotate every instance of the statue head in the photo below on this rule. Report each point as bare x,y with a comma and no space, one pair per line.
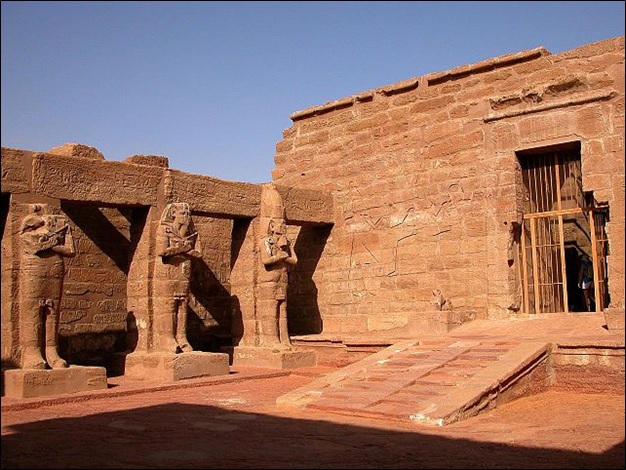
178,212
41,216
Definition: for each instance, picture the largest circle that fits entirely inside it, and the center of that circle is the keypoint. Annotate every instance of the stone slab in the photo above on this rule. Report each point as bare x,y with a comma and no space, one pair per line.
96,181
171,367
32,383
272,358
407,382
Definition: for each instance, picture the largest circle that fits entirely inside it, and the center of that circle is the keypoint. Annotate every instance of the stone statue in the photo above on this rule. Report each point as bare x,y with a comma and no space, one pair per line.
46,240
176,242
441,303
277,257
512,258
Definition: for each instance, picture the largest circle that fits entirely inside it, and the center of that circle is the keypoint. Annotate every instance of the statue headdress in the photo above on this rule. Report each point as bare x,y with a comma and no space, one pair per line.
271,202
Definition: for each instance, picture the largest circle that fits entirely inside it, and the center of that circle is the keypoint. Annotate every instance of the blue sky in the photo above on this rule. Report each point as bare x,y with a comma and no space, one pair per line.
211,85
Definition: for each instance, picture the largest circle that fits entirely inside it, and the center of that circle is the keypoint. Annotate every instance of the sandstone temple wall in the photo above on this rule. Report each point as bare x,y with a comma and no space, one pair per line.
425,175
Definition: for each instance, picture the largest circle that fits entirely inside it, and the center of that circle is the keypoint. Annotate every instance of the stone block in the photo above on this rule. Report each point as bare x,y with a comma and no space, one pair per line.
614,318
253,356
171,367
33,383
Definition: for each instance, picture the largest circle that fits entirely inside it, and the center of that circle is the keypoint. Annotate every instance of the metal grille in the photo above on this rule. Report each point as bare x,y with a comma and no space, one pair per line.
558,213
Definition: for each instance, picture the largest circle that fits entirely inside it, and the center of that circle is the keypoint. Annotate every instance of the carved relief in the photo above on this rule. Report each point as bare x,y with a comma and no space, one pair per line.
46,239
440,302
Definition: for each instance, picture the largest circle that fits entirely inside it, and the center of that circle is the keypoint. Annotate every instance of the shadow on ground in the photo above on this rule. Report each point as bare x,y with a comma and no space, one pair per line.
195,436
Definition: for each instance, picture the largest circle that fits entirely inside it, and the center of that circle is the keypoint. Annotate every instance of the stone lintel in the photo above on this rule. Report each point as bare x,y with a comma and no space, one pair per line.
142,180
32,383
88,180
168,367
235,199
214,196
254,356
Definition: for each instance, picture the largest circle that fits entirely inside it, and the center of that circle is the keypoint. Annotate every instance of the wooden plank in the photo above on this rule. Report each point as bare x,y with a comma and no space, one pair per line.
594,257
533,244
525,271
563,265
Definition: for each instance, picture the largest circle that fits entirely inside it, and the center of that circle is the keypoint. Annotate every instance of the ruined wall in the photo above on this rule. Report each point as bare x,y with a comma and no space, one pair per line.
425,174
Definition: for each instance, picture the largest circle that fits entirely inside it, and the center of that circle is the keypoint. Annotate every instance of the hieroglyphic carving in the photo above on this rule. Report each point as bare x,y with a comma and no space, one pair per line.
211,195
83,179
307,205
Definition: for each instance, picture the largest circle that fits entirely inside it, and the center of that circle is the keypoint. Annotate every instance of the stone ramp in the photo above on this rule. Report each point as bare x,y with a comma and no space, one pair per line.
434,382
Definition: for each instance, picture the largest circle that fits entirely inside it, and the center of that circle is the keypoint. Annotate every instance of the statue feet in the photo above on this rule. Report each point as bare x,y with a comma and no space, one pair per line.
54,360
184,345
32,359
166,345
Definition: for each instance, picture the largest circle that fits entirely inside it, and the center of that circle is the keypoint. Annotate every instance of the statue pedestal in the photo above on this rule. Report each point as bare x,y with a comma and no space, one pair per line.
253,356
170,367
32,383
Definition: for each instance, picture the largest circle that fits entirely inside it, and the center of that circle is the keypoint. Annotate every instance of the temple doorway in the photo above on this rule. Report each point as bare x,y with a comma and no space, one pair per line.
563,232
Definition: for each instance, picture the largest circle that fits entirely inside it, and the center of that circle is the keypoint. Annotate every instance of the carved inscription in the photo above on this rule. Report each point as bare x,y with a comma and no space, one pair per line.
37,379
74,178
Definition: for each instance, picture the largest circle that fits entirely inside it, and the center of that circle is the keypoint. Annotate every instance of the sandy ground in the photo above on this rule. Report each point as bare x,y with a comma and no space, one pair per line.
238,425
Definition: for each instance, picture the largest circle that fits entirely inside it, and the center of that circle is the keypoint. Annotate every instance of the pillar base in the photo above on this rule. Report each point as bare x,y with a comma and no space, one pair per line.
171,367
253,356
33,383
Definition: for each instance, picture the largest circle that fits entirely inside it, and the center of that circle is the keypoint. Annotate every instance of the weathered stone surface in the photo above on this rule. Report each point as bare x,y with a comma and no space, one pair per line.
15,170
264,357
212,195
31,383
307,206
614,318
171,367
148,160
89,180
77,150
